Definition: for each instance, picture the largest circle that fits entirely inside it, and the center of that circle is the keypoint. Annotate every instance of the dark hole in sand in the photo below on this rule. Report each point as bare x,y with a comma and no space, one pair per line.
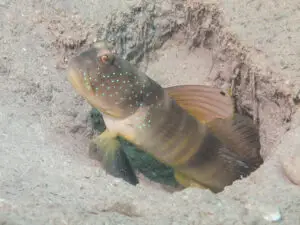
195,49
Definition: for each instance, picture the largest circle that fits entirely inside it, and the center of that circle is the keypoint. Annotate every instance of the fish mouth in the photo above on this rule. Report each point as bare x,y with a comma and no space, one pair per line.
78,67
76,79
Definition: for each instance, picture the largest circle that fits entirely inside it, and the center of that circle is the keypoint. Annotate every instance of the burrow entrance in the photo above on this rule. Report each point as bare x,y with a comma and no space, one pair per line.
179,44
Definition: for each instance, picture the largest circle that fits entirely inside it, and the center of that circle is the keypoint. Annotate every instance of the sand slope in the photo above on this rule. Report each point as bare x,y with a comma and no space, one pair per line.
46,176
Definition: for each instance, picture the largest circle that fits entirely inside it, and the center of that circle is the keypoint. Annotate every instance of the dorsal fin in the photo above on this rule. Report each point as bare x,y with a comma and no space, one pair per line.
215,108
203,102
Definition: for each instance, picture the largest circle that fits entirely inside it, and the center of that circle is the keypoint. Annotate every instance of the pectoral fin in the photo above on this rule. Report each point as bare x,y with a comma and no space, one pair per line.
107,149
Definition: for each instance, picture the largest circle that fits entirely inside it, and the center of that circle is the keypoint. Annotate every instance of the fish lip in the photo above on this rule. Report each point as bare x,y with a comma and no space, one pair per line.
75,78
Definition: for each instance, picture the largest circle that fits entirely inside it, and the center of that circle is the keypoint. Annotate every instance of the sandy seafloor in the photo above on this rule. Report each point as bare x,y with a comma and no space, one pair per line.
46,176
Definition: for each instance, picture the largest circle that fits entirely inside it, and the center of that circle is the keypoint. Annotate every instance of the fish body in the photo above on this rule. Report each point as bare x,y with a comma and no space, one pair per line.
192,128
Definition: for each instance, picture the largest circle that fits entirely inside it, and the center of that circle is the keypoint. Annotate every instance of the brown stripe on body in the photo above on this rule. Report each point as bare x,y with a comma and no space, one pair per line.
214,165
186,139
175,135
171,136
163,129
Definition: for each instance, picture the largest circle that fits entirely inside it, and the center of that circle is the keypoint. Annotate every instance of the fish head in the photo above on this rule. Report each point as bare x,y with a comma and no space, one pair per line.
108,82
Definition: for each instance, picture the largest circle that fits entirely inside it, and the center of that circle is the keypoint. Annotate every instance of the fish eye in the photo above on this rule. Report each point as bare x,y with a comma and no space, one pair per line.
106,59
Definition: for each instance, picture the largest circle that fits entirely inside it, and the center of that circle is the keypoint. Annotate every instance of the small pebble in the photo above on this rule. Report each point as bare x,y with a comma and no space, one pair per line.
272,216
291,167
268,212
5,206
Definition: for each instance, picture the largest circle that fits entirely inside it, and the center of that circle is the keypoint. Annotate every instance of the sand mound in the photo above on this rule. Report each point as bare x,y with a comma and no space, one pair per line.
46,175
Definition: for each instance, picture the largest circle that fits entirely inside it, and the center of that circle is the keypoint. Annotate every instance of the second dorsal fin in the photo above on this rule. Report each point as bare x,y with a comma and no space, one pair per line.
203,102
